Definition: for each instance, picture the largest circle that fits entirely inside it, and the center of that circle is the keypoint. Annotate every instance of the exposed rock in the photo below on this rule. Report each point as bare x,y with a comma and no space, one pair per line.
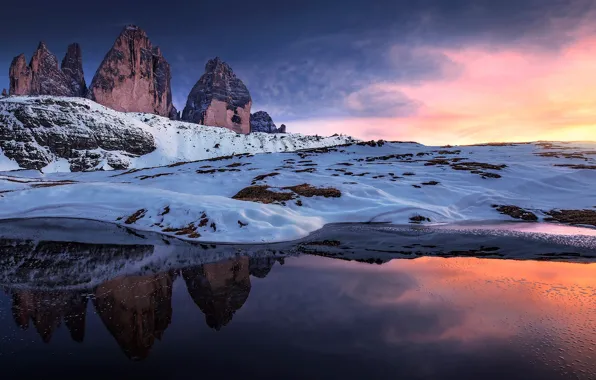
134,76
219,99
4,93
43,76
260,121
40,130
72,67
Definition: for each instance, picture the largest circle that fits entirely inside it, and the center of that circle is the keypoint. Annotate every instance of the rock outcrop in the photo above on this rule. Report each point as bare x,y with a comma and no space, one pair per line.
219,99
40,130
260,121
134,76
42,76
4,93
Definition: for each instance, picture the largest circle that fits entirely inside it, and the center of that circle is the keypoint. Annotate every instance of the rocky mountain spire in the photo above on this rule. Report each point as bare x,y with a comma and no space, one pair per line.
43,76
134,76
219,99
260,121
72,67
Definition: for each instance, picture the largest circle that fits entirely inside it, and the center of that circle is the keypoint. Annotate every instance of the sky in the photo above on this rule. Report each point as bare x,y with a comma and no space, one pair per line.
432,71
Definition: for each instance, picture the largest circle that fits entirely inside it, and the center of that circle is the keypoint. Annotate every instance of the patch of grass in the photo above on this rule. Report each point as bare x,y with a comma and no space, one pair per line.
263,176
143,177
189,230
586,217
307,190
516,212
577,167
307,170
262,194
139,214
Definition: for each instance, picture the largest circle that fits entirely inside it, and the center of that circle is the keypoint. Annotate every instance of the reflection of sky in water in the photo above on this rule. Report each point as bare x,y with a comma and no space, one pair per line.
320,318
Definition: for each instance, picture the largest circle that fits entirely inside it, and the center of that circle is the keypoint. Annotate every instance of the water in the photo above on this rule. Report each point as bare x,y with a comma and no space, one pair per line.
88,300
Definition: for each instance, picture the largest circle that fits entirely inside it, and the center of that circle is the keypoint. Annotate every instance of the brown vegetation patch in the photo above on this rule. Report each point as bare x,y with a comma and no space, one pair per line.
52,184
516,212
308,170
577,167
476,166
586,217
307,190
263,176
579,156
262,194
344,164
166,210
430,183
387,157
128,172
409,173
190,231
443,152
136,216
143,177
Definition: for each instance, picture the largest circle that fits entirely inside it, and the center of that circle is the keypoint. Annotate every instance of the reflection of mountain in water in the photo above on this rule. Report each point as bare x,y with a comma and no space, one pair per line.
136,309
47,309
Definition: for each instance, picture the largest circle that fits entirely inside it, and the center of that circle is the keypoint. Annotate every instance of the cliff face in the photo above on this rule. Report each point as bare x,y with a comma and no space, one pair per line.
42,76
134,76
37,131
219,99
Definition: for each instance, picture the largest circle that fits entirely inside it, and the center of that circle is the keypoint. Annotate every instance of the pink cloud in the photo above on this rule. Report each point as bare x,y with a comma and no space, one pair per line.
513,94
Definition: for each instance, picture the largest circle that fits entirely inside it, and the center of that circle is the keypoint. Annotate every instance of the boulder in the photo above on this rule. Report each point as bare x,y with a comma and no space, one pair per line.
219,99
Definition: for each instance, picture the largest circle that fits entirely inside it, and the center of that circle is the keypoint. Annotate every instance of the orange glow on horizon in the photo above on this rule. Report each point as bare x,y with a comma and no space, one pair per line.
500,95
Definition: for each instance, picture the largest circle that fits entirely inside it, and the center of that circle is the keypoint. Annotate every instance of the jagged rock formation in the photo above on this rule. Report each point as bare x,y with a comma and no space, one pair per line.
219,289
260,121
37,131
72,67
136,310
134,76
4,92
42,76
219,99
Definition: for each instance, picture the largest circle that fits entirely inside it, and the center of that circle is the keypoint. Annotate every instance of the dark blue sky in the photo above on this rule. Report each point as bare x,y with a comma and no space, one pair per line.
299,59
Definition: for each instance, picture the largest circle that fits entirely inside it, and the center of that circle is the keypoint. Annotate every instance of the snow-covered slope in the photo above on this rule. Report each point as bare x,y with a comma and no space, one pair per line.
75,134
256,198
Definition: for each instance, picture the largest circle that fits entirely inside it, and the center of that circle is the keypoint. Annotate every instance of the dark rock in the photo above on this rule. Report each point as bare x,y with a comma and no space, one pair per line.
260,121
134,76
219,99
72,67
4,92
282,129
38,131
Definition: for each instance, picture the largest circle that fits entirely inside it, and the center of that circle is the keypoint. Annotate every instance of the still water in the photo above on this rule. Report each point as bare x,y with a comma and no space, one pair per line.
85,309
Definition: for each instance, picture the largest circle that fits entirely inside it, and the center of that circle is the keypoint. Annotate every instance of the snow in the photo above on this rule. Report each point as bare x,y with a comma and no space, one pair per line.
180,196
6,163
59,165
